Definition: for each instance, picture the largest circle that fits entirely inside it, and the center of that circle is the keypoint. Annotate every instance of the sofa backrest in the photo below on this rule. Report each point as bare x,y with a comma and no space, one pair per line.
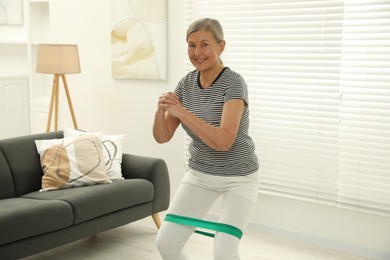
22,158
6,183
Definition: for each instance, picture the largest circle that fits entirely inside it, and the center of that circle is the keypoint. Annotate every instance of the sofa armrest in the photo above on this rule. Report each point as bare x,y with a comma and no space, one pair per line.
153,169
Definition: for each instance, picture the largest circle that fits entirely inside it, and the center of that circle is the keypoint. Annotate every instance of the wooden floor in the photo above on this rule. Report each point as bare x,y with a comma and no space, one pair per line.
136,241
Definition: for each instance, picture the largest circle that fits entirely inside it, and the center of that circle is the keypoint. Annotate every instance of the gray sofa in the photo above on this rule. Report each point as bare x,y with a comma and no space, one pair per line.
33,221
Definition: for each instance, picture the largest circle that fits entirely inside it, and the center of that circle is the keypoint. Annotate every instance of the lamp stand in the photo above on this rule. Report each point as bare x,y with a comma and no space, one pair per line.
54,103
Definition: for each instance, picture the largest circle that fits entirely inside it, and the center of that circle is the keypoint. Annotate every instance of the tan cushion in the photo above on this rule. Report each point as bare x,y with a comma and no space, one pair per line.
72,162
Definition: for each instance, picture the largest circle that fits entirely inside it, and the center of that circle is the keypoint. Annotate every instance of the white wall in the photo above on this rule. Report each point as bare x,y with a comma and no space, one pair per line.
128,106
116,106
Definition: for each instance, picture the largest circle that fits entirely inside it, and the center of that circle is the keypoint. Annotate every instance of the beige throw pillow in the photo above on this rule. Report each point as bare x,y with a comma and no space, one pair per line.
72,162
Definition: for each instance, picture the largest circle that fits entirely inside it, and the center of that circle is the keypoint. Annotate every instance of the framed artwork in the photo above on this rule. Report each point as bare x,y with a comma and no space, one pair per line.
139,39
11,12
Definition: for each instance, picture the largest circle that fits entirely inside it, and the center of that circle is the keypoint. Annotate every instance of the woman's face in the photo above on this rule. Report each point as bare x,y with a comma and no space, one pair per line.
204,50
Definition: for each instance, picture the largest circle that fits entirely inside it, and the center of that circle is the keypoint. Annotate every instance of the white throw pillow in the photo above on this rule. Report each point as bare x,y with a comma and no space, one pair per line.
112,150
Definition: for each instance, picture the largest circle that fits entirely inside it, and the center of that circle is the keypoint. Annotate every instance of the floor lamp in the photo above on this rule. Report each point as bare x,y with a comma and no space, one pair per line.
58,59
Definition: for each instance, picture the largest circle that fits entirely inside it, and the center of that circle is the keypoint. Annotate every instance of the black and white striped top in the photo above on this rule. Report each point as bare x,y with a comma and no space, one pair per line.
207,104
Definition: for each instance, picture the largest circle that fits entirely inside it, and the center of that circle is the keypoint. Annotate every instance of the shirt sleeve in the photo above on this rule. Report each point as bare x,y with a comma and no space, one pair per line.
237,89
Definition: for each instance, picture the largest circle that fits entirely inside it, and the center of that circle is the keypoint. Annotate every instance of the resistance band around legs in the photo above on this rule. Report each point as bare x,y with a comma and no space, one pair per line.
219,227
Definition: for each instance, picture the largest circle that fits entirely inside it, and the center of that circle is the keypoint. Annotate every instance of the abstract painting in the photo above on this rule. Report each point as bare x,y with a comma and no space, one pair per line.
139,39
11,12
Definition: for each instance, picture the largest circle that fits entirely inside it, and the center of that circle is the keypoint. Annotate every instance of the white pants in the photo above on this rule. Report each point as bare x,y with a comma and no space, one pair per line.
196,194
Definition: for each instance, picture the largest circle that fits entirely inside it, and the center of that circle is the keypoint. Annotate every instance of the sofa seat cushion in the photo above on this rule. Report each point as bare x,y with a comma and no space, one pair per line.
89,202
22,218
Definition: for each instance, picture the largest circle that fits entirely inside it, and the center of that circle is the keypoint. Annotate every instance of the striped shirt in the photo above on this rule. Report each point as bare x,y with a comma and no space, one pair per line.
207,104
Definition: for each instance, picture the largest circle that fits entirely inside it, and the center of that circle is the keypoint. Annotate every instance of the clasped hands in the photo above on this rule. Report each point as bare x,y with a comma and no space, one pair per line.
169,102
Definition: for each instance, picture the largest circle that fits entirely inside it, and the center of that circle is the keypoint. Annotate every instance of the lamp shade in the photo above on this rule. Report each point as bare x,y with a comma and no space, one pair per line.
58,59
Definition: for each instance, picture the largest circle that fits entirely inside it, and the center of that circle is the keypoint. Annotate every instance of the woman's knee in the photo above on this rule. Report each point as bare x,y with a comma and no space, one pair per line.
226,254
226,247
164,242
170,241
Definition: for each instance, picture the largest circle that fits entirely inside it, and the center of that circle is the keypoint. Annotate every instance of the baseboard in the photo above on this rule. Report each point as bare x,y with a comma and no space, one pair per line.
315,240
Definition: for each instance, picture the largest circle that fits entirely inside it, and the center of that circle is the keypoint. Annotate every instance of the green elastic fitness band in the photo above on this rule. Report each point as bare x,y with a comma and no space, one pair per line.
220,227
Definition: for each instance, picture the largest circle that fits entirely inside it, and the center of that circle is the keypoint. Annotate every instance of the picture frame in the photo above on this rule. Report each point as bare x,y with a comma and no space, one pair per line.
139,39
11,12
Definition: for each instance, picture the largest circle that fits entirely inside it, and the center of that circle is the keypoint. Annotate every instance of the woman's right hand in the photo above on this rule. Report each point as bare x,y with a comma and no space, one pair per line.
165,124
171,103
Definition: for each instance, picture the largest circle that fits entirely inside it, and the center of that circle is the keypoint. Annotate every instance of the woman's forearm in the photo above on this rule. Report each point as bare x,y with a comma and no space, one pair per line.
215,137
164,126
220,137
160,129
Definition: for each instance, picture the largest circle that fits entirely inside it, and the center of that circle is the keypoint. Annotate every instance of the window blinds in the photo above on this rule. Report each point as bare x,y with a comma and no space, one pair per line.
319,83
364,178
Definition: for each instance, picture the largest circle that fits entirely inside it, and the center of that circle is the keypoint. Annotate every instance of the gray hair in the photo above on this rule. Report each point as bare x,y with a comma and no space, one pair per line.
208,24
